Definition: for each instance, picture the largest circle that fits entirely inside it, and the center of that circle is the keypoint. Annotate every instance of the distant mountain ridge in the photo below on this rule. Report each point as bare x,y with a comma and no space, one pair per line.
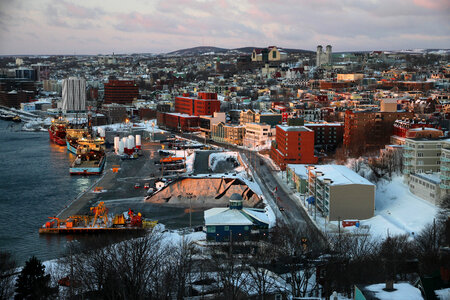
209,49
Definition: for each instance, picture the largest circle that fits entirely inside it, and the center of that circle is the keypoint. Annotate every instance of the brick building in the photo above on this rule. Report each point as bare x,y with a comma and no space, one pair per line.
293,145
368,130
327,136
204,105
121,91
177,121
16,91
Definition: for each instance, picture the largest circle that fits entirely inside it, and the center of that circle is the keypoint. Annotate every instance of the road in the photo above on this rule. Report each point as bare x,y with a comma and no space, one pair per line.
294,214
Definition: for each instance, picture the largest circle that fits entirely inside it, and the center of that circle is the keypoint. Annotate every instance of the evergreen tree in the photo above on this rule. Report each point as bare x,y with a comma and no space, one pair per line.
32,282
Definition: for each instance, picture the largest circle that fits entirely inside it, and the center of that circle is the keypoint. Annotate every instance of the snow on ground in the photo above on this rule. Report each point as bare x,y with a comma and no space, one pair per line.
190,157
215,158
403,291
149,126
398,210
443,294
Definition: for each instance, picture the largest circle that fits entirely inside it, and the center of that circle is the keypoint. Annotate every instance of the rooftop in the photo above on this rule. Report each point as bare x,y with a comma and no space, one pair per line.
293,128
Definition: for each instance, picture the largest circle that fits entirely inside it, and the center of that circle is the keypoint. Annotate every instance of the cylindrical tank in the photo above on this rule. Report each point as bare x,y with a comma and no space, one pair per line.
131,141
121,147
101,132
125,142
116,143
138,141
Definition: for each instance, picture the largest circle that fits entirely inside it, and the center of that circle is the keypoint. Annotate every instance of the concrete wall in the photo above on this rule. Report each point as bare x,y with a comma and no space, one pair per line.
353,201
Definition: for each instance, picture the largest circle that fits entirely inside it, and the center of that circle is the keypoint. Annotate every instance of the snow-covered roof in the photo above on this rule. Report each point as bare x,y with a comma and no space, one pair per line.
258,214
339,175
403,290
293,128
225,216
432,177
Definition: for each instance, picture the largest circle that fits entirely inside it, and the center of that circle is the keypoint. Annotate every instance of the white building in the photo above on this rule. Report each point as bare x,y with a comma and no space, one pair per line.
74,94
323,58
257,135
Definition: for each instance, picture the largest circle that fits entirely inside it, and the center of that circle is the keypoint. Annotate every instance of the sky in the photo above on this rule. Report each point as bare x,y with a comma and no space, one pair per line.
158,26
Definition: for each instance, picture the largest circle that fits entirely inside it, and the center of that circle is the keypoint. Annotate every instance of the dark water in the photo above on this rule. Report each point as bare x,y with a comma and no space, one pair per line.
35,183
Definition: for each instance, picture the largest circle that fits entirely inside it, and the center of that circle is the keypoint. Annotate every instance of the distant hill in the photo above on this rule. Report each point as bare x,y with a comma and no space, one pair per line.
209,49
198,50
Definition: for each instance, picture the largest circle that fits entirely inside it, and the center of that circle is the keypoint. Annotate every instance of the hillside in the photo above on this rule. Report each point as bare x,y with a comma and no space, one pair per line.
209,49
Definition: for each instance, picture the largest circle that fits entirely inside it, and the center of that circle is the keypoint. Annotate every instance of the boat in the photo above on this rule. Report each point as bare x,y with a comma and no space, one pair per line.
90,157
57,131
72,136
17,119
98,221
6,117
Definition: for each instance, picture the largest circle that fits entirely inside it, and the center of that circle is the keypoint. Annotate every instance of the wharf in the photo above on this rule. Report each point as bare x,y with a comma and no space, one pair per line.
120,185
90,230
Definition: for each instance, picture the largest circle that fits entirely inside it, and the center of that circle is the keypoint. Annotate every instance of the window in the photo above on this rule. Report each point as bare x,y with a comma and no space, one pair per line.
211,229
420,154
420,146
438,162
226,228
246,228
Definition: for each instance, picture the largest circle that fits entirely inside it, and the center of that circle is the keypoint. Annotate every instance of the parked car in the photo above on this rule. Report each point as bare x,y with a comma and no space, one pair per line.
137,186
146,185
281,208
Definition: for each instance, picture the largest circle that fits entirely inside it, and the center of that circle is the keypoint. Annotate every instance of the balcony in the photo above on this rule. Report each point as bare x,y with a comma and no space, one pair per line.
407,148
443,158
444,177
406,171
444,168
407,155
444,186
407,163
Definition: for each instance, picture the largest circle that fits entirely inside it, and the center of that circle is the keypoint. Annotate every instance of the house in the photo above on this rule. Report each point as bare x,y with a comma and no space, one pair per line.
235,222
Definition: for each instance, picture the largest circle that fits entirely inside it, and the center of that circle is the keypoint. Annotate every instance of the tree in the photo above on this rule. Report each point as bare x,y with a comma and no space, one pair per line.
7,266
33,283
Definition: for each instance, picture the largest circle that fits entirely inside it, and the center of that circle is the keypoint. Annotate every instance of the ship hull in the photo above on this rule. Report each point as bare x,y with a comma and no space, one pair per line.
56,139
88,170
71,148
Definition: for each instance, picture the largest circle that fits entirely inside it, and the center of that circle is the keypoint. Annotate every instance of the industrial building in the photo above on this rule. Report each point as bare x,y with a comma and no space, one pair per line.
121,91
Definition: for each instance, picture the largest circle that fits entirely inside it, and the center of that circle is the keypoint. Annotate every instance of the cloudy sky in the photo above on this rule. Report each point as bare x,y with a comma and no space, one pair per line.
130,26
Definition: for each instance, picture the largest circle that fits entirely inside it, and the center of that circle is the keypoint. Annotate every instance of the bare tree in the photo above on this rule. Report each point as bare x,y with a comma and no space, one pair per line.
7,271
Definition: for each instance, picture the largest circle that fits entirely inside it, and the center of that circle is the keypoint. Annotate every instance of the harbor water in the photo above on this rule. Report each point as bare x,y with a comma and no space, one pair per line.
35,183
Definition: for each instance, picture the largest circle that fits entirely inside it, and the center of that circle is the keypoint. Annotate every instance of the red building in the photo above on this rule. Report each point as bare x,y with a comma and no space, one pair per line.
293,145
327,136
121,91
204,105
177,121
402,126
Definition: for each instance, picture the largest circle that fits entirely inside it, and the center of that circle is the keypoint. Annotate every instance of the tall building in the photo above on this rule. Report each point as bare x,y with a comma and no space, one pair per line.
204,105
323,58
42,72
121,91
293,145
74,94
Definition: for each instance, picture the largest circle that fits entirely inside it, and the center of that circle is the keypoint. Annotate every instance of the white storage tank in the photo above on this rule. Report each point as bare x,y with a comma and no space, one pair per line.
121,147
125,142
101,132
138,141
131,139
116,143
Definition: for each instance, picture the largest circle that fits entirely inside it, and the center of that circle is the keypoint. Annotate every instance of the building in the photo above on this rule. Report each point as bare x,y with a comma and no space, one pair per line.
257,135
204,105
206,122
42,72
177,121
334,191
235,222
74,94
121,91
14,91
426,186
293,145
227,133
369,130
115,113
421,155
323,58
266,117
388,105
271,53
327,136
350,77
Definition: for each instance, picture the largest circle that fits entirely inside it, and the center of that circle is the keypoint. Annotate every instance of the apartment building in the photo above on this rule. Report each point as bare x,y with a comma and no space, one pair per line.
256,135
226,133
422,155
334,191
293,144
266,117
204,105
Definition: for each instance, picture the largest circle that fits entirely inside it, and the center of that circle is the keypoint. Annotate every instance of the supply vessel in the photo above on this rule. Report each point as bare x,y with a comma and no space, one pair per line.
57,131
90,157
97,221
